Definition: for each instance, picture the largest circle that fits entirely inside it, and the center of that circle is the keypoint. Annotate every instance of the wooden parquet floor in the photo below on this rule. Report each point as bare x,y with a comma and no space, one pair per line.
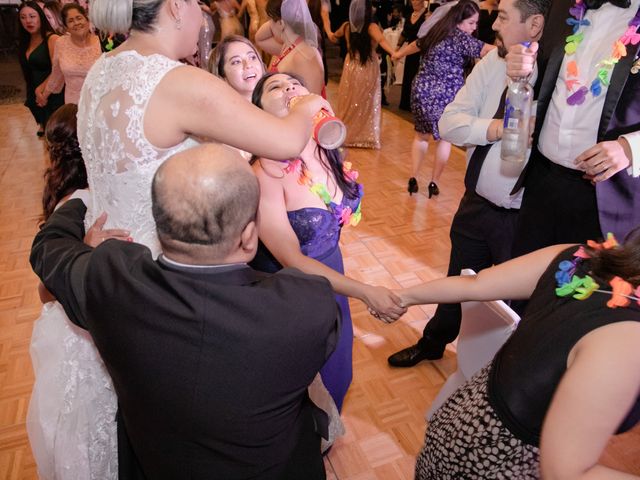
401,241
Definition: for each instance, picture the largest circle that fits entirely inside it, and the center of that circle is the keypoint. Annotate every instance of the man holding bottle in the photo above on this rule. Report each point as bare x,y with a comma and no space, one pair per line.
483,227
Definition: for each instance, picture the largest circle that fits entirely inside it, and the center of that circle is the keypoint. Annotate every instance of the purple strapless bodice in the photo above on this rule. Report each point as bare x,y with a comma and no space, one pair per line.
318,229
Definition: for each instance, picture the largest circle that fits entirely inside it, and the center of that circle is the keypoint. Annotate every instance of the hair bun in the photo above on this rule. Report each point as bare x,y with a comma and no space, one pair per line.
113,16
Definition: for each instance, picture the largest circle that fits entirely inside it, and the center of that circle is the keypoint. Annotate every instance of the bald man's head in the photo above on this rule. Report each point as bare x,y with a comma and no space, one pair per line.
203,198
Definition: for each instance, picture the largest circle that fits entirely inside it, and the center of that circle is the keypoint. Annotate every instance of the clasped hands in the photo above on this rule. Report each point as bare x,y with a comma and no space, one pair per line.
383,304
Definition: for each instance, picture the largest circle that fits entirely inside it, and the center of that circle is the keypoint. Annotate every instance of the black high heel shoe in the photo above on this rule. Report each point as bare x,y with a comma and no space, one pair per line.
413,186
433,189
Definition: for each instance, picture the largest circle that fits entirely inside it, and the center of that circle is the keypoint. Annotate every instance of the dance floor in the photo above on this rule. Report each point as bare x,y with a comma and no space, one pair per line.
401,241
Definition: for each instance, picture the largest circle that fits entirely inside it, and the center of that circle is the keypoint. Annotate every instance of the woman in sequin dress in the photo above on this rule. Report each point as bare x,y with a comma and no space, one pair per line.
445,49
304,203
359,92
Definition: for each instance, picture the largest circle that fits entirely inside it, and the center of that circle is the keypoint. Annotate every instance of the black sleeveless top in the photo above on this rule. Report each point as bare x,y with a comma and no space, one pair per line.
530,365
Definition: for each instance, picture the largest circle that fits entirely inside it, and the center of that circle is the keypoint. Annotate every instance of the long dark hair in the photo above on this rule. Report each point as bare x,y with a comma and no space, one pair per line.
622,261
67,172
45,27
360,43
443,28
330,159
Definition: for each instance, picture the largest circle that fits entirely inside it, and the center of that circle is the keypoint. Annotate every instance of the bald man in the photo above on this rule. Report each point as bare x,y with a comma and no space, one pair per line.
210,359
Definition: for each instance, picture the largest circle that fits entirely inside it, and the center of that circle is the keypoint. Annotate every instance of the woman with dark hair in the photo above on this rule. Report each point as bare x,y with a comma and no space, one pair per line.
66,172
71,416
565,381
445,50
359,92
304,203
36,50
291,37
412,24
75,54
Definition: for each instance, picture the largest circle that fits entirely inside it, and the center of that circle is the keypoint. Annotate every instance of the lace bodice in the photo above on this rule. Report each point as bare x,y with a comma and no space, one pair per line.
120,160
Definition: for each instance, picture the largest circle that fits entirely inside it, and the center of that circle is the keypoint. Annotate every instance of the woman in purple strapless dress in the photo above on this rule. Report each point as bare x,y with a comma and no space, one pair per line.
304,203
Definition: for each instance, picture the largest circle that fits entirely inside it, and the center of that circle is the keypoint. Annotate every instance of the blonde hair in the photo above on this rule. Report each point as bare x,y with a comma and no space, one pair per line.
121,16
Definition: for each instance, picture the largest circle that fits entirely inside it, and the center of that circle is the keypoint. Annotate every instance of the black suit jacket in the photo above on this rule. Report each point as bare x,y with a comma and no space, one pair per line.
619,197
211,367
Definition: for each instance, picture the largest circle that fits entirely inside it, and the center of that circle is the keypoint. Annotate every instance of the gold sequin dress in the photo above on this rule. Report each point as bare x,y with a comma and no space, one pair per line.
359,97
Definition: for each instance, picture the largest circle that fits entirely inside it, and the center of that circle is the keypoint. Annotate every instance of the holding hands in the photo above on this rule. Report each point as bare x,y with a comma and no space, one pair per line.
383,304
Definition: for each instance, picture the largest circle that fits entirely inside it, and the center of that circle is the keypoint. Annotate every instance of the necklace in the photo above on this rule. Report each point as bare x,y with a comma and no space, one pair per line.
342,213
581,288
578,90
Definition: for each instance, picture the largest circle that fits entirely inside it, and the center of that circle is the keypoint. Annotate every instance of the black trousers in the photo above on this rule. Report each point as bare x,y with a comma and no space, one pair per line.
481,236
558,206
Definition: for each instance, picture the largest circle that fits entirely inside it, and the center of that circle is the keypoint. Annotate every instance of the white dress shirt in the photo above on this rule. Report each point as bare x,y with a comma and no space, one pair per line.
569,130
465,122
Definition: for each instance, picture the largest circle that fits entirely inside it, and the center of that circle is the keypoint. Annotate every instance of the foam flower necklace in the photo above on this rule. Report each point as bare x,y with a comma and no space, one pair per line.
581,288
578,91
343,214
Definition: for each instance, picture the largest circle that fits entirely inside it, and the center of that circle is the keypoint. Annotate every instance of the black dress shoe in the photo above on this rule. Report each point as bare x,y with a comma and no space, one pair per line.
413,355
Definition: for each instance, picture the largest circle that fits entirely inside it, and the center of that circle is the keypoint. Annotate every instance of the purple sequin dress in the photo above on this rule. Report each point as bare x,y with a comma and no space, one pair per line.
318,231
439,78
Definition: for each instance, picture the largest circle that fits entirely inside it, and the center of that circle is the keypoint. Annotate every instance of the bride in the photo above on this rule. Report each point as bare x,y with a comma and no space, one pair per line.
70,417
139,106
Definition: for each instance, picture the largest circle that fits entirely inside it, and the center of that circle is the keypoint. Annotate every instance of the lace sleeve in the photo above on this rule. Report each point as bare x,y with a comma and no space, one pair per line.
56,79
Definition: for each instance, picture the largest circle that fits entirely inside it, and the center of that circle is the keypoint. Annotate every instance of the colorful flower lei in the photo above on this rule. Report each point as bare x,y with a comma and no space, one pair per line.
343,214
581,288
573,83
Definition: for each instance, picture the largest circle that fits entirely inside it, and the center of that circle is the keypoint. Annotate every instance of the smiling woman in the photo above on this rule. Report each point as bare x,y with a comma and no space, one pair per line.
37,45
236,60
75,54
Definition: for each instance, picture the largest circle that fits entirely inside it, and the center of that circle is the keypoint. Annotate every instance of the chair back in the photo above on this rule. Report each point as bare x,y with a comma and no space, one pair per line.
484,328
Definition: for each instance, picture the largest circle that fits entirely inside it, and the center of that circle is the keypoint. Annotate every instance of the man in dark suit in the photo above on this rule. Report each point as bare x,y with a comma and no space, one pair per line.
210,359
581,181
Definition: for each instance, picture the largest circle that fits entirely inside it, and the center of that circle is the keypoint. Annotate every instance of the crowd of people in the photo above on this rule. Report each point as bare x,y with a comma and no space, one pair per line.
181,243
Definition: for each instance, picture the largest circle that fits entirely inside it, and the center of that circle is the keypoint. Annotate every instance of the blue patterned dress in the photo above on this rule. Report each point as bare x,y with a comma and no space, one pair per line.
439,78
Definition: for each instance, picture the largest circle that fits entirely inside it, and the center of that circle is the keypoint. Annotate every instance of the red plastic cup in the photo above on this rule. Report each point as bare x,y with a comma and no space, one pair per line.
328,131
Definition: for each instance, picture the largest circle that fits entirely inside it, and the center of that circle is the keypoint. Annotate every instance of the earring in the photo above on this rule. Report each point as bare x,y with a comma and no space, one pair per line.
178,23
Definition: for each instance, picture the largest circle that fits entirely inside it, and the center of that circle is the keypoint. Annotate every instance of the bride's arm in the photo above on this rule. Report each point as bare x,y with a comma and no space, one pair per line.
278,236
190,101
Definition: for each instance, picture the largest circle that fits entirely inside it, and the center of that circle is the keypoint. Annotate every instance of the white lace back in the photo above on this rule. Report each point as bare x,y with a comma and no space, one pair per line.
120,160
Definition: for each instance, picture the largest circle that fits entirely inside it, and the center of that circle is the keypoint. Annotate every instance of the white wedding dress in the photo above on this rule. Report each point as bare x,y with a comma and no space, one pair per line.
71,419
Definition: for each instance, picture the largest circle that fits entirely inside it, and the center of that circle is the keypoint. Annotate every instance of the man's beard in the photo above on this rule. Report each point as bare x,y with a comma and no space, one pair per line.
502,50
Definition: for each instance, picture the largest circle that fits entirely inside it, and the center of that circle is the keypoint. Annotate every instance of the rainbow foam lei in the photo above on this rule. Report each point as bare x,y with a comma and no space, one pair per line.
581,288
343,214
578,91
